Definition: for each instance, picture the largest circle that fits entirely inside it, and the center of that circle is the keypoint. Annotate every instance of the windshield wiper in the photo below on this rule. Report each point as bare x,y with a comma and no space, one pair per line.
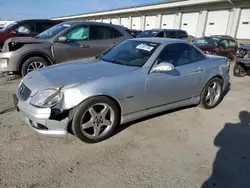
116,61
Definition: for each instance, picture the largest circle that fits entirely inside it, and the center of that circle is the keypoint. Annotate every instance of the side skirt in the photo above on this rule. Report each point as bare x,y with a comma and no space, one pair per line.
137,115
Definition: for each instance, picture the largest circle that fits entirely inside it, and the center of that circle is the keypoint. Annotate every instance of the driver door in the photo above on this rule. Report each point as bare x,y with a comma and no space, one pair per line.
182,83
76,47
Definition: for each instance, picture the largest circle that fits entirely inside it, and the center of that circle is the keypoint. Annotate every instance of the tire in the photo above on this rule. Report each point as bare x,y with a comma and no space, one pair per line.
205,102
94,130
239,70
33,61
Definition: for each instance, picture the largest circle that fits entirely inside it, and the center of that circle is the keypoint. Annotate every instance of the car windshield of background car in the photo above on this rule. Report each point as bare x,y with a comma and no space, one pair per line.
49,33
147,34
205,40
8,26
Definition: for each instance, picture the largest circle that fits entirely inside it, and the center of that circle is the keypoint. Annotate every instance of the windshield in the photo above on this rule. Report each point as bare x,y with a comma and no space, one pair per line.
147,34
206,40
8,26
131,53
51,32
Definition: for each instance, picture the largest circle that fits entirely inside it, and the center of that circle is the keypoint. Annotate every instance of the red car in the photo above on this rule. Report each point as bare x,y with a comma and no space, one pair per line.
218,45
25,28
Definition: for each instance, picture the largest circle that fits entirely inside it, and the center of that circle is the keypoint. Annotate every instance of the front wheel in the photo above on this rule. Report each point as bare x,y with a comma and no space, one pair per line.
95,119
212,94
33,63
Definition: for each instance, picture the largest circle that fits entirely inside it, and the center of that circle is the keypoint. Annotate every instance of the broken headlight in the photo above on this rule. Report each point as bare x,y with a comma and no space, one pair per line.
13,46
46,98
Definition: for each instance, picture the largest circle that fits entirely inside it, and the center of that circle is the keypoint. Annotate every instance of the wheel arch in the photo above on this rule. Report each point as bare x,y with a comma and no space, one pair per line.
215,76
32,54
118,104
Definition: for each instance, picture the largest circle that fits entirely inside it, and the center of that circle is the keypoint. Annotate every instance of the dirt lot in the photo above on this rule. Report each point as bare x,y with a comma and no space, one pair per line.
184,148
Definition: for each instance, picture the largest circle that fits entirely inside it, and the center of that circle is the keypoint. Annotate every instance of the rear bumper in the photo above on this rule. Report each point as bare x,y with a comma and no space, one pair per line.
39,119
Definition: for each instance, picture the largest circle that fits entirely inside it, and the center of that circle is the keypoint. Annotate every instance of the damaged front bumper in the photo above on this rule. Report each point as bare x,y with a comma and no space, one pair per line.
9,61
42,120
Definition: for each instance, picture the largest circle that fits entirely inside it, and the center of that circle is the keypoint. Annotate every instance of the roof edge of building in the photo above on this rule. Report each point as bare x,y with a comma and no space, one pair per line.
145,7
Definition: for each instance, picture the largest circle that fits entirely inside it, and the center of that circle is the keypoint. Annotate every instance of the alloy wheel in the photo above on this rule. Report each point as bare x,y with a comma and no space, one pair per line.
213,93
97,120
34,66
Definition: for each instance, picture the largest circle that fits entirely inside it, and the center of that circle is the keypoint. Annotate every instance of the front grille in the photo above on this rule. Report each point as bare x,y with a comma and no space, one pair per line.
24,92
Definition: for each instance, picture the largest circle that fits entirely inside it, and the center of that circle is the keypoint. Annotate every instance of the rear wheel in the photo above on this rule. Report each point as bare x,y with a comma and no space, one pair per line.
239,70
33,63
212,94
95,119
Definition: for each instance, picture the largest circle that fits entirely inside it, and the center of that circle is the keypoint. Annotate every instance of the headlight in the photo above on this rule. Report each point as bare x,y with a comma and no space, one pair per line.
46,98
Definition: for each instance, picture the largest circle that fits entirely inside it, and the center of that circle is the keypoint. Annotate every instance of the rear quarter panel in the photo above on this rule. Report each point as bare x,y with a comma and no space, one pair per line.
215,66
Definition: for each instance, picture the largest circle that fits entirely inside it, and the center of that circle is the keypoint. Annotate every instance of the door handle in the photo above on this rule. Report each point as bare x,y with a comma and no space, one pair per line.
198,69
84,46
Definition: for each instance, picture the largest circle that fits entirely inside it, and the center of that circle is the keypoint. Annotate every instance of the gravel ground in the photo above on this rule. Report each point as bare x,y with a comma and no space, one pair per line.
186,148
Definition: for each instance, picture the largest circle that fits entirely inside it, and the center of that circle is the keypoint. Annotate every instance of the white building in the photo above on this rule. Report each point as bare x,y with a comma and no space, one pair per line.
197,17
3,23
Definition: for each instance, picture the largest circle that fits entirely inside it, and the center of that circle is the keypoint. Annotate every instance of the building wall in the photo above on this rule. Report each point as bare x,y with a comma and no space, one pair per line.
220,17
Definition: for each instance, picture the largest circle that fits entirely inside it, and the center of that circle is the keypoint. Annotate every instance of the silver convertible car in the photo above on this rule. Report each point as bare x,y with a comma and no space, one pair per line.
134,79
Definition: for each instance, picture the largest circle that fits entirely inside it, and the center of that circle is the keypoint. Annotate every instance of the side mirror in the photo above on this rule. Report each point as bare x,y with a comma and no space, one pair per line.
62,39
13,32
163,67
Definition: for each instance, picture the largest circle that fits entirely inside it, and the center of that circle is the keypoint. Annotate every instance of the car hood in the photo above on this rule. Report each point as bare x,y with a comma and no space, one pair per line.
23,40
73,73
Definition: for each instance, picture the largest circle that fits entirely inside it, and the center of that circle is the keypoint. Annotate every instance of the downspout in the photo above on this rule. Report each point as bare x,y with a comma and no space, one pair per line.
137,11
140,17
230,1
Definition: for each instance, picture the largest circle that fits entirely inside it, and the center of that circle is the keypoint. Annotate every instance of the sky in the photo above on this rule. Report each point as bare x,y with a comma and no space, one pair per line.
31,9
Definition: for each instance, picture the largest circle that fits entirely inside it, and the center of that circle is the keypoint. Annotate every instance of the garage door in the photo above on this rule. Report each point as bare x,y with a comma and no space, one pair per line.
150,22
115,21
244,25
125,22
217,22
189,22
136,23
167,21
106,20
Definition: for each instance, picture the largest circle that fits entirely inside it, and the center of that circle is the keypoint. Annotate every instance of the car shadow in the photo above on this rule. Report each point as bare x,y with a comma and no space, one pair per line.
231,167
121,128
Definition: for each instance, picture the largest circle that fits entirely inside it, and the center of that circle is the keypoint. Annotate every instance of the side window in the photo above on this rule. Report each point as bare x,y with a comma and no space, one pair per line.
232,43
171,34
179,54
103,32
78,33
161,34
40,27
182,34
28,28
224,43
116,33
197,56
